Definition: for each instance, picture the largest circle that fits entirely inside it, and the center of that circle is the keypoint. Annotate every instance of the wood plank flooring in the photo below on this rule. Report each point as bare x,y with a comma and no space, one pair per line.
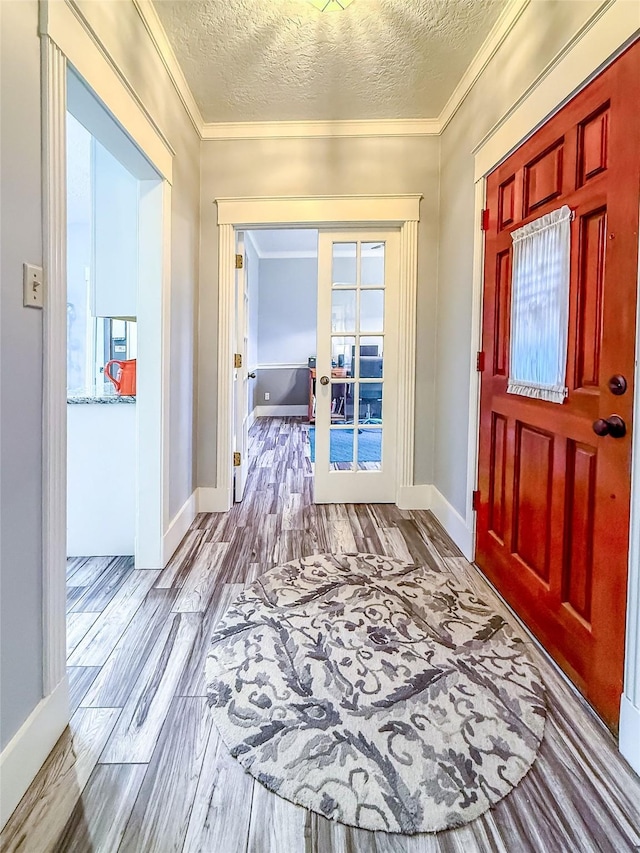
141,769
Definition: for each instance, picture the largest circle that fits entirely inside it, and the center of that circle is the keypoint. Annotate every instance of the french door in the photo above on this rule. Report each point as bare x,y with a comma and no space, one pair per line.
555,480
356,368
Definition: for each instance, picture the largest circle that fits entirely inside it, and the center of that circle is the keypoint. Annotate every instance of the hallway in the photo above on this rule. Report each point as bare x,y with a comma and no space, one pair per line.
142,769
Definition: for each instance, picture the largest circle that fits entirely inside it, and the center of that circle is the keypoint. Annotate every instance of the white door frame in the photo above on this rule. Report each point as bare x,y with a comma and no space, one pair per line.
67,39
241,374
610,31
241,214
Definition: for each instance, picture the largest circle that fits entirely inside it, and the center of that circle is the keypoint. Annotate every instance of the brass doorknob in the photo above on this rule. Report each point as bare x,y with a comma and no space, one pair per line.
613,426
324,380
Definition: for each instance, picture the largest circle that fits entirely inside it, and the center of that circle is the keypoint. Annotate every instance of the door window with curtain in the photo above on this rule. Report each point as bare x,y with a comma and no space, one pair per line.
540,307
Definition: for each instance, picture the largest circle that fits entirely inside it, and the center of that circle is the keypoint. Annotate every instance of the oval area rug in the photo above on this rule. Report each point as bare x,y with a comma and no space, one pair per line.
375,692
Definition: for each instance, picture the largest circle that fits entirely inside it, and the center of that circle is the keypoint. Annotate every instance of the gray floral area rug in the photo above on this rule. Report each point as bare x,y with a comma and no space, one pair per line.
377,693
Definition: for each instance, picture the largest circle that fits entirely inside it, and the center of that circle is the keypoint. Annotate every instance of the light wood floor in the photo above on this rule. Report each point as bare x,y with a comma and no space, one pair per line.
142,769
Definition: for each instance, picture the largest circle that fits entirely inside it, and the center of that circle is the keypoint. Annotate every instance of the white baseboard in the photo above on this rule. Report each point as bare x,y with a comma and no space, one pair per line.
629,743
251,419
414,497
178,527
26,752
281,411
428,497
453,523
213,500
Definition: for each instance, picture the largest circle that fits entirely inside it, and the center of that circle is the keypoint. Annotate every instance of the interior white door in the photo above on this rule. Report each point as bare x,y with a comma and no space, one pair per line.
240,375
356,367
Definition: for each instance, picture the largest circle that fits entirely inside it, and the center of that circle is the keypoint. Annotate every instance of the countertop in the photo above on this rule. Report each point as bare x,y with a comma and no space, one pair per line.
93,395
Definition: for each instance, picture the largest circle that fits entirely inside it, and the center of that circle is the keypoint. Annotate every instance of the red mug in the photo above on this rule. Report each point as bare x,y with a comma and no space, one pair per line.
125,380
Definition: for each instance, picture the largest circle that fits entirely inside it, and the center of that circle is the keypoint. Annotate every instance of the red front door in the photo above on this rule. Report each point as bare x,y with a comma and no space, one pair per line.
553,518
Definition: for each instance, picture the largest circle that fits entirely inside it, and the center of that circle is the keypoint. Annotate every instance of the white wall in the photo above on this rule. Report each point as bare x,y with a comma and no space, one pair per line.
287,310
101,470
20,369
537,37
310,167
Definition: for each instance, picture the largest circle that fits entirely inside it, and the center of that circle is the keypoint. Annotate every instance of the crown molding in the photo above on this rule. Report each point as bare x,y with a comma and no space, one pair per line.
507,20
255,130
160,40
226,131
229,131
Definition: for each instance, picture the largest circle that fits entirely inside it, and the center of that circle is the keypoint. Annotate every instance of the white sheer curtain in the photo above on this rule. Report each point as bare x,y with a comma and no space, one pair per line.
540,307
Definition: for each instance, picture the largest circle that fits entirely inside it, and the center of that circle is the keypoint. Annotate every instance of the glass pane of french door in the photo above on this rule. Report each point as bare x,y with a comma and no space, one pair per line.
356,336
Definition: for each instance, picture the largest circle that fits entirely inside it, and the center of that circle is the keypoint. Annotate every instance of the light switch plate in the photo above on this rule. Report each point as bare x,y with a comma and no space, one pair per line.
32,286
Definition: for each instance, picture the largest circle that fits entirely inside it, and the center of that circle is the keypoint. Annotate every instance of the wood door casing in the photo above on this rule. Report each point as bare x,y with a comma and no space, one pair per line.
553,515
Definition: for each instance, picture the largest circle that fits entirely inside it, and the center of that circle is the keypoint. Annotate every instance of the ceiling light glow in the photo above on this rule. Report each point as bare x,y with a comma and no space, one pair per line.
330,5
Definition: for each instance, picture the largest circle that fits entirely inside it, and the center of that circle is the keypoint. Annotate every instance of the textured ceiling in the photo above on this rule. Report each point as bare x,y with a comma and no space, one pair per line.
283,60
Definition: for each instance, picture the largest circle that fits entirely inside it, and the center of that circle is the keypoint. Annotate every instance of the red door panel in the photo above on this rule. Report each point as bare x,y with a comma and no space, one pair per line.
553,517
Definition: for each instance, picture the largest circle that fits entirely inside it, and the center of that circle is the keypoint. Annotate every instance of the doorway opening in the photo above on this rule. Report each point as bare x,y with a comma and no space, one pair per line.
316,339
397,217
113,282
276,299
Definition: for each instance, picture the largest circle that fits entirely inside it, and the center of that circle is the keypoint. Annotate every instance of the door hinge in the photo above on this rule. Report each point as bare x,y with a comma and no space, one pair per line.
480,362
239,262
484,221
236,459
237,360
475,500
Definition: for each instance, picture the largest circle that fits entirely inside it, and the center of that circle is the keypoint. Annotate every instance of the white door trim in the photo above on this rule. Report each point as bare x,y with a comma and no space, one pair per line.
66,26
154,347
226,335
54,408
403,212
241,377
66,38
600,41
